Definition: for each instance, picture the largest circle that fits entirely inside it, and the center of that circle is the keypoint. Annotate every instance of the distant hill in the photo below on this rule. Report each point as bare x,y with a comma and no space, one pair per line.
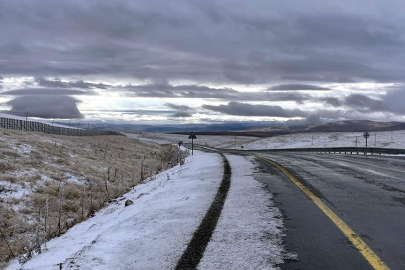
225,127
338,126
258,129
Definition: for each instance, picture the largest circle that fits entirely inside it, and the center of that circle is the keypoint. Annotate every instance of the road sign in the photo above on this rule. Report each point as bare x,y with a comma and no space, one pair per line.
366,135
192,136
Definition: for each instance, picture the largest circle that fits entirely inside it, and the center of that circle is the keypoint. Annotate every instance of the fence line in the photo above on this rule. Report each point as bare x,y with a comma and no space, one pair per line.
10,123
340,150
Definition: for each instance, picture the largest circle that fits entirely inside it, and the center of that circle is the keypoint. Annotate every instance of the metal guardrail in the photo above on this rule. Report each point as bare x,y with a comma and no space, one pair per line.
345,150
341,150
10,123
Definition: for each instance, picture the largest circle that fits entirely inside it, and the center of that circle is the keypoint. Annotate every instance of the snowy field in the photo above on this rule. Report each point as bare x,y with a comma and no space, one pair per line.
153,232
210,140
385,139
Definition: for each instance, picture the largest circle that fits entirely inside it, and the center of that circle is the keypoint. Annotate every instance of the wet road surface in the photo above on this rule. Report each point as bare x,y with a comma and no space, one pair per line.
366,192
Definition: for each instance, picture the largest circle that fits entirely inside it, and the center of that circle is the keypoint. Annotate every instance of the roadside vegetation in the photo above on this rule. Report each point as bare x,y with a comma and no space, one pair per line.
48,183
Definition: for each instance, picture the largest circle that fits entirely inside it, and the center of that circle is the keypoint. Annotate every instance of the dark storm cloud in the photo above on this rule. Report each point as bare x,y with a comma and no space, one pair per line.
182,110
181,114
365,103
45,91
313,119
395,100
244,109
76,84
180,91
199,91
291,87
360,103
245,42
297,97
179,107
46,106
391,102
335,102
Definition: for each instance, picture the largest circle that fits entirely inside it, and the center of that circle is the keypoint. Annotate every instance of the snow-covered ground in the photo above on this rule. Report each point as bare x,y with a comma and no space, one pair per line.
153,232
386,139
210,140
5,115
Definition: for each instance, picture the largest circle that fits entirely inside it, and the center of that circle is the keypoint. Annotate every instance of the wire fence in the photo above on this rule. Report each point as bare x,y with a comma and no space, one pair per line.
340,150
10,123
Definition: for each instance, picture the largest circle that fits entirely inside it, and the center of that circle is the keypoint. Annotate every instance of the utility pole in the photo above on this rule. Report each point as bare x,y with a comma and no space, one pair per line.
375,139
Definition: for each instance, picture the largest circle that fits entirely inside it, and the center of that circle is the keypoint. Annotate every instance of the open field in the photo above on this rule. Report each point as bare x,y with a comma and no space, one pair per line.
210,140
48,183
384,139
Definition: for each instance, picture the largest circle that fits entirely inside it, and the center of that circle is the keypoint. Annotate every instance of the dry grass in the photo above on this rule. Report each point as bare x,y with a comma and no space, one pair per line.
65,180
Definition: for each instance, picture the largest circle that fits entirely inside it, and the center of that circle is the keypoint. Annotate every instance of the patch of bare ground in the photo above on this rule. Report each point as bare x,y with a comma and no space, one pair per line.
48,182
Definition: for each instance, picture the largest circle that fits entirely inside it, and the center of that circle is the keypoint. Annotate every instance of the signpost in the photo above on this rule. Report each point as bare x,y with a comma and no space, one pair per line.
366,135
192,137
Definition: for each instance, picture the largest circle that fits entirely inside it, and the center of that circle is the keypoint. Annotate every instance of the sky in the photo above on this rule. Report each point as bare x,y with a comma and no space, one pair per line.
211,61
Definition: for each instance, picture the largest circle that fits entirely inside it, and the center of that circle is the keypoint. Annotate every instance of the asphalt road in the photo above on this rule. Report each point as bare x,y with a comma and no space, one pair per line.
366,192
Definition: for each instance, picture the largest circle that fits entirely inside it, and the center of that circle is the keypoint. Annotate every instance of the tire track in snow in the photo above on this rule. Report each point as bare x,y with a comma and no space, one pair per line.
195,249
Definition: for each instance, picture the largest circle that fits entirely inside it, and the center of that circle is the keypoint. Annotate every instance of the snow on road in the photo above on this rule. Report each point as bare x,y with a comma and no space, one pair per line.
154,231
249,230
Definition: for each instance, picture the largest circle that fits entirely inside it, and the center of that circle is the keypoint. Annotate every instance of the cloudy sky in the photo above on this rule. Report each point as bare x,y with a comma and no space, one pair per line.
156,62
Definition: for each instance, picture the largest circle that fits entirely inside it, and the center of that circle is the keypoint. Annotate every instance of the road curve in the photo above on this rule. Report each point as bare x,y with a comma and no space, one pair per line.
366,192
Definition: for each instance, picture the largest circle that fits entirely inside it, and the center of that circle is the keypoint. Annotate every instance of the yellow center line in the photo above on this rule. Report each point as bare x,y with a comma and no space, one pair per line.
371,164
364,249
